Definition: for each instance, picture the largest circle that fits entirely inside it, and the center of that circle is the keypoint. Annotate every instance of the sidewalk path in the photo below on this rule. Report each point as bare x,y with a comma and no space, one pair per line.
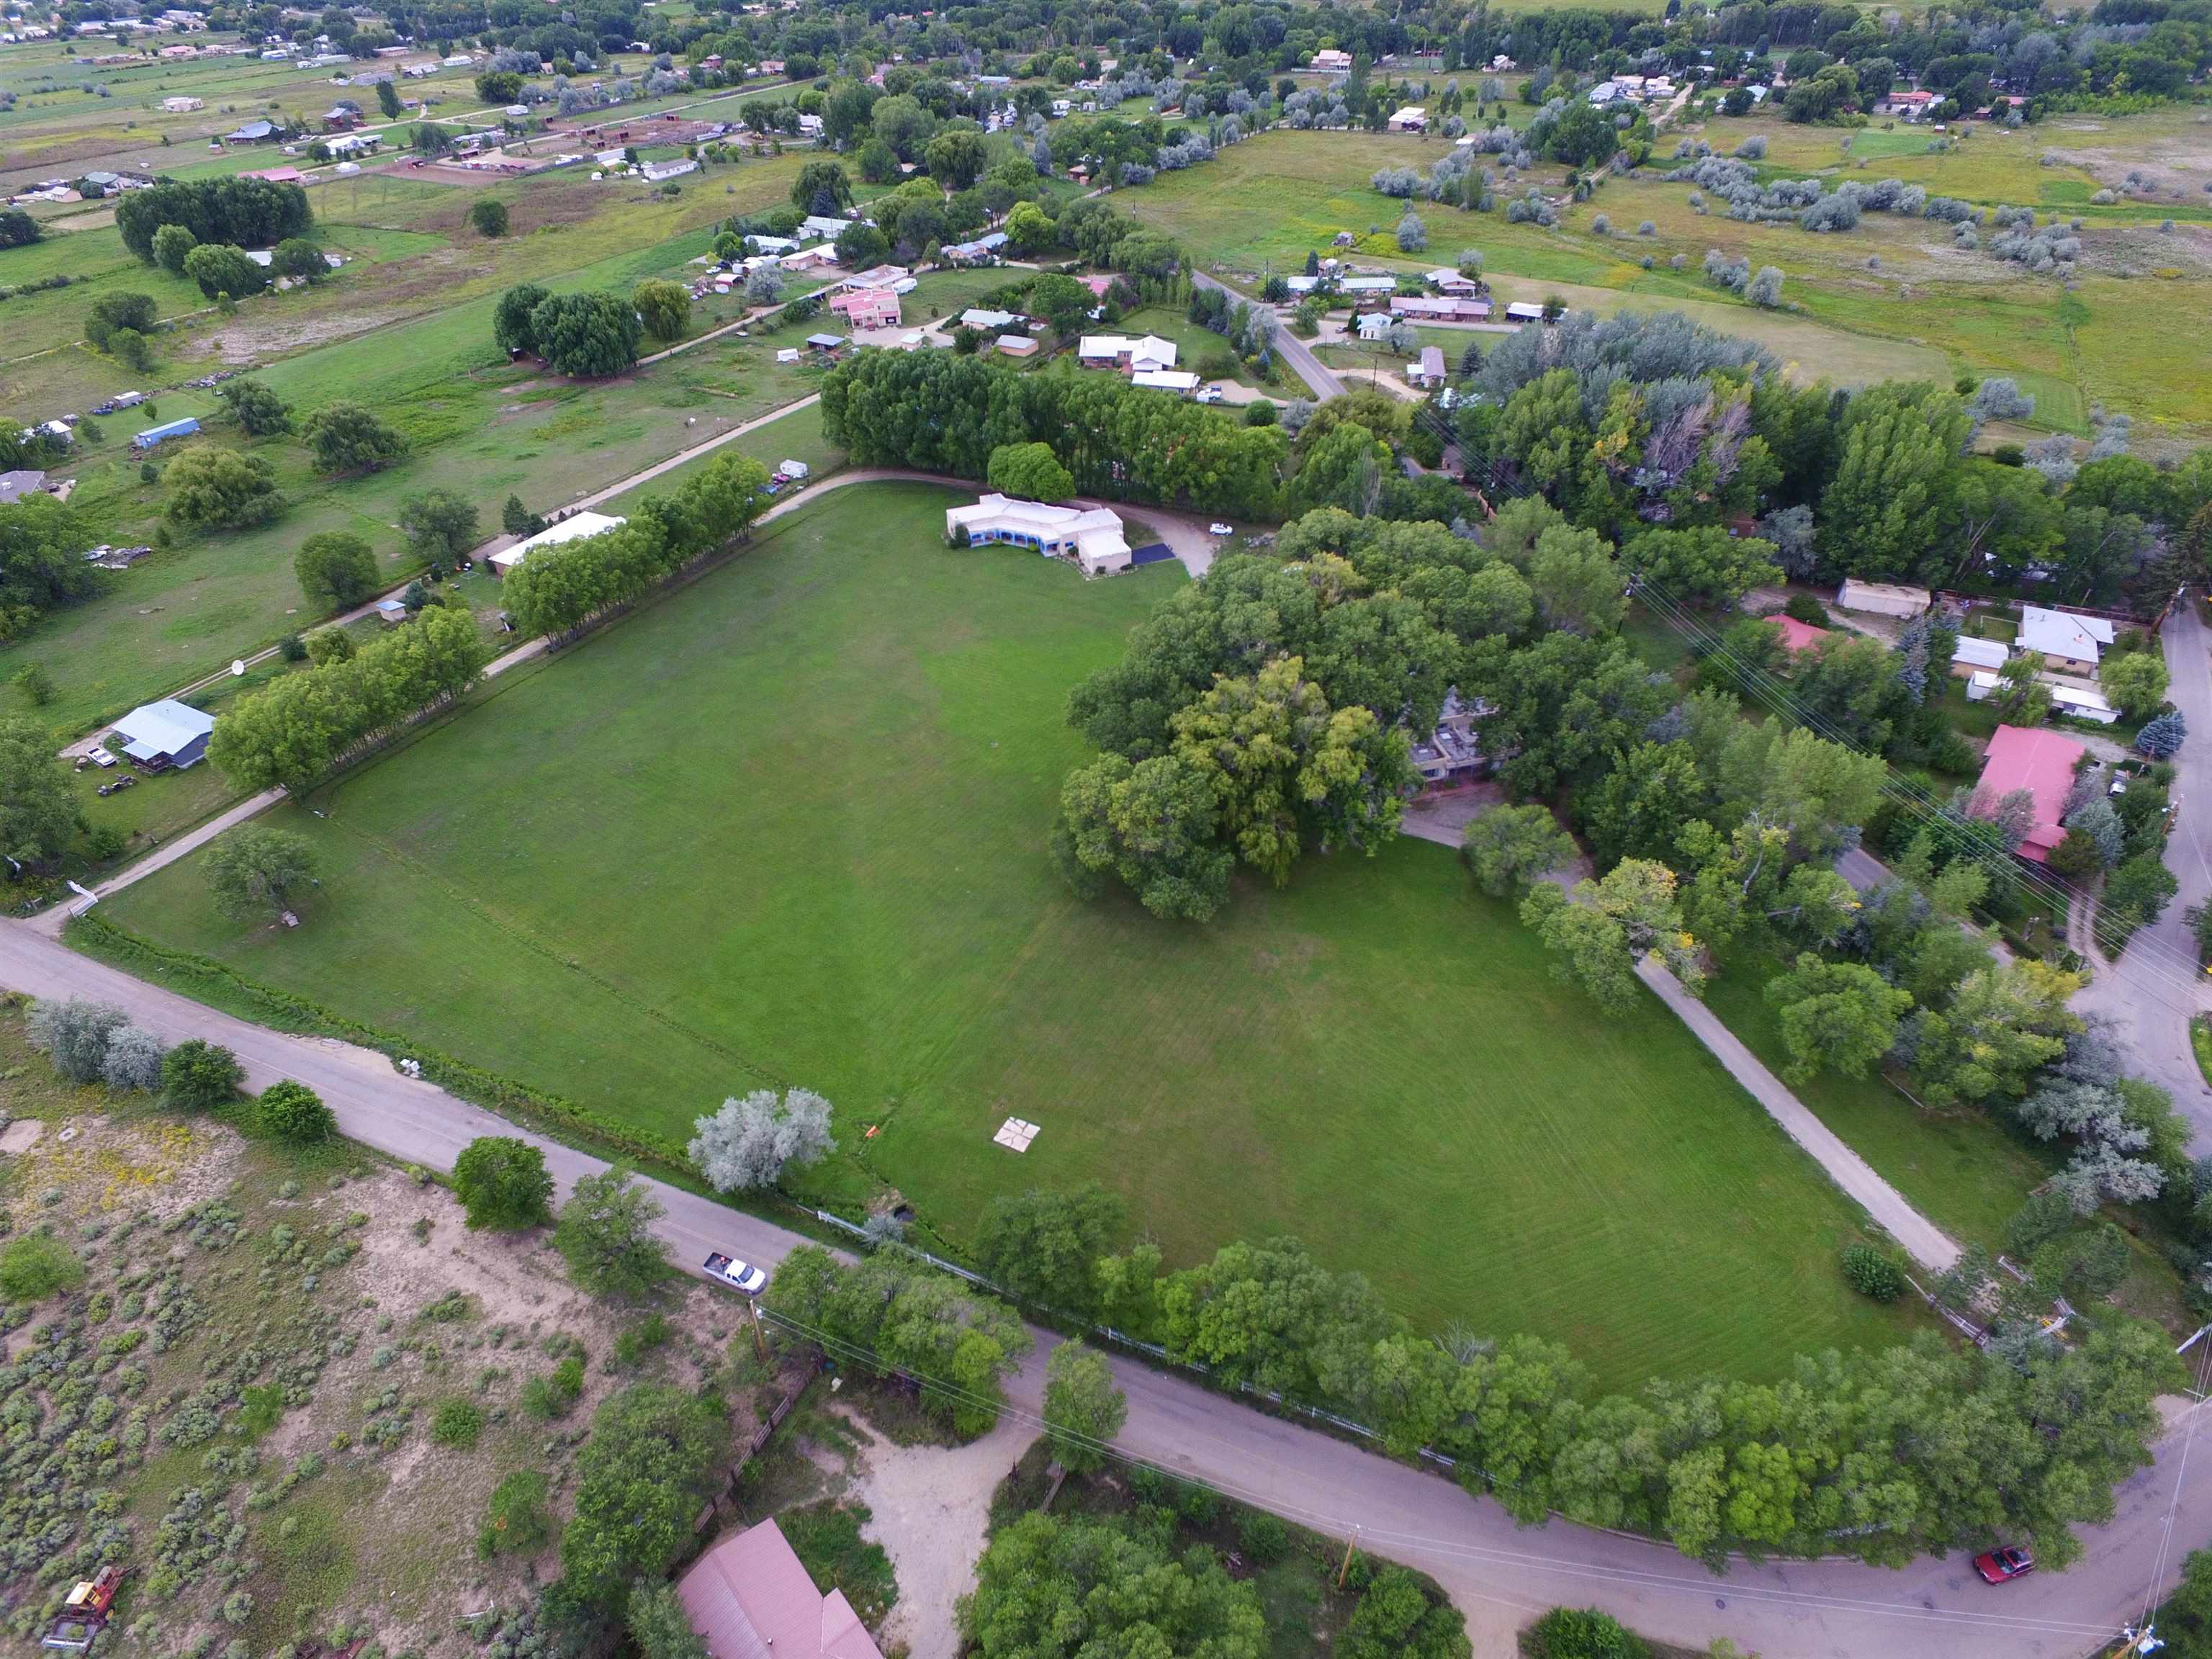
1499,1574
1922,1239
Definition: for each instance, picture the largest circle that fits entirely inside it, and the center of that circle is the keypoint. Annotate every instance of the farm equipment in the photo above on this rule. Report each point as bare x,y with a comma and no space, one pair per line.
84,1612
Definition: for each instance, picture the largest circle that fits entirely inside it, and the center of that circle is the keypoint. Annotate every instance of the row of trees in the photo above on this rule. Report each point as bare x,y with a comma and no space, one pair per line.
237,212
303,725
559,590
939,412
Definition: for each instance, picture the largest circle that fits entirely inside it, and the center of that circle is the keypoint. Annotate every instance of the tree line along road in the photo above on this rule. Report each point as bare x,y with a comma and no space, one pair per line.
1500,1575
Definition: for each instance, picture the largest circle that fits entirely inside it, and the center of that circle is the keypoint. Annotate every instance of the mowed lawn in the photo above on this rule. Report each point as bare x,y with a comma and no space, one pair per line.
789,825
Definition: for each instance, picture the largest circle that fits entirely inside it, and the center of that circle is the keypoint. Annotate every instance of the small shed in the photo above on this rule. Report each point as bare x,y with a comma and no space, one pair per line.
1971,653
390,612
161,735
826,343
1017,345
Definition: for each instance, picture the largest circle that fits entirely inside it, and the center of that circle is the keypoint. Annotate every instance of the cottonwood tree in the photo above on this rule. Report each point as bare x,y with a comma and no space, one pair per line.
259,411
1044,1577
255,872
1703,565
1152,825
1597,940
2003,1025
642,1478
39,816
658,1624
663,307
221,489
2136,683
1044,1247
606,1235
822,188
584,335
504,1184
1083,1409
1511,848
335,569
752,1141
1841,1016
441,524
347,437
1030,471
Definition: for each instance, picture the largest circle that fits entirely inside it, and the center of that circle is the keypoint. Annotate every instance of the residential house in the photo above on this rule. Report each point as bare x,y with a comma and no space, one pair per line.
676,166
1607,92
2043,763
2070,644
751,1597
1373,325
341,116
1422,308
866,307
254,132
1412,118
1524,311
975,252
1367,291
1090,536
818,224
349,144
2081,703
161,735
1330,61
574,527
987,322
1429,370
1880,598
1970,654
1016,345
1452,754
1445,280
1798,636
24,481
1119,351
1908,105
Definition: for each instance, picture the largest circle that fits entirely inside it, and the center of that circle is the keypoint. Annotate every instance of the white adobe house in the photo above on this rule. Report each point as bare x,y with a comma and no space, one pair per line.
1092,536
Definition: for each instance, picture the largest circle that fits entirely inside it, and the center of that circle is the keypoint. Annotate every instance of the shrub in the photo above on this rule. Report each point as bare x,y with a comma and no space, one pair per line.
34,1266
504,1184
1806,608
1263,1537
1872,1274
516,1518
1580,1633
457,1422
75,1033
199,1077
134,1062
292,1111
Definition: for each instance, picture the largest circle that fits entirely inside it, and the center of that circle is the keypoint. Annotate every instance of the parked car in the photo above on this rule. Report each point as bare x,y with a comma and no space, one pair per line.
736,1274
1221,529
99,757
1209,394
2002,1566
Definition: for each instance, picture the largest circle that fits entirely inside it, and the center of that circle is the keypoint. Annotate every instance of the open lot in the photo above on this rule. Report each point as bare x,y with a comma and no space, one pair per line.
788,825
1892,299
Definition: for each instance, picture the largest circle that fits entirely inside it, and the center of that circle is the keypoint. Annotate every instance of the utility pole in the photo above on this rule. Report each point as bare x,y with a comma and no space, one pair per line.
760,1337
1346,1567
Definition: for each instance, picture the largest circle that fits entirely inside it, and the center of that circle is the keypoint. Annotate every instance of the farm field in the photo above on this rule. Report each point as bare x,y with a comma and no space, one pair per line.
788,826
1893,298
478,425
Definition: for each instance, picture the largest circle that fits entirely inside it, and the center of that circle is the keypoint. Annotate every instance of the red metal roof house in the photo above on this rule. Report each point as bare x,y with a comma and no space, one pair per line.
750,1597
2041,762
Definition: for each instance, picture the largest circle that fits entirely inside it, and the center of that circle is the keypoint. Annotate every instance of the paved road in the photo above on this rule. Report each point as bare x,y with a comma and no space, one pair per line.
2151,993
1319,377
1499,1573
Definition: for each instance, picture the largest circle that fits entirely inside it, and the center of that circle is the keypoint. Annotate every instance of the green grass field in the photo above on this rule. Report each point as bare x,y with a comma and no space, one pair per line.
1894,299
789,825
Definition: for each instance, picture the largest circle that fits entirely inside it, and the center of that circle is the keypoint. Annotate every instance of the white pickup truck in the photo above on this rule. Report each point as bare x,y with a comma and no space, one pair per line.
736,1274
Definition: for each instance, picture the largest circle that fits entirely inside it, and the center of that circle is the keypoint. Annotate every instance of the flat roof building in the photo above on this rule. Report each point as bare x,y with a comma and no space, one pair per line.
1092,536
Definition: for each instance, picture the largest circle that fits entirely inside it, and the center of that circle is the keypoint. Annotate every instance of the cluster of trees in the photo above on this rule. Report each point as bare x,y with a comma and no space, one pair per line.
585,335
1627,419
889,1315
560,590
40,814
939,412
303,725
237,212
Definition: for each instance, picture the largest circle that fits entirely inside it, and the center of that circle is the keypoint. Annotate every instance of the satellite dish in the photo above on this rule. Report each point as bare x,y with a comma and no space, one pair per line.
238,665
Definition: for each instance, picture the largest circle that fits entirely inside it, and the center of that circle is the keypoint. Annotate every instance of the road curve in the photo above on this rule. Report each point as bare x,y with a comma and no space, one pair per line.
1498,1573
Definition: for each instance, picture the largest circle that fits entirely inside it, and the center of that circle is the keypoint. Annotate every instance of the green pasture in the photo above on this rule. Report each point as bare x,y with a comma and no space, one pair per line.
788,825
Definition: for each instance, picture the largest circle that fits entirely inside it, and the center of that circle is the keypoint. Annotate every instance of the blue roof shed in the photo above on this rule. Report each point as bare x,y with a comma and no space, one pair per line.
154,435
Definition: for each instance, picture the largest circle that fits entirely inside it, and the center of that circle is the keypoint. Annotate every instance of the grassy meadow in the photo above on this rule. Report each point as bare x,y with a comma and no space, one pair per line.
1892,299
788,826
